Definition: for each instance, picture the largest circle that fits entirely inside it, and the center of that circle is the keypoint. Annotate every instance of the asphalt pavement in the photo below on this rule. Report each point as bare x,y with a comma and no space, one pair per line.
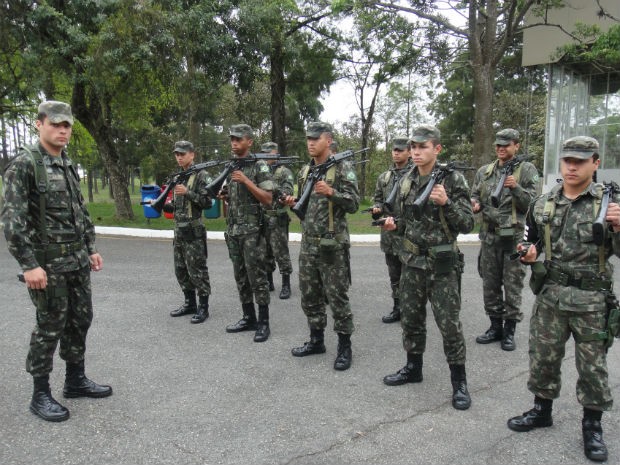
194,394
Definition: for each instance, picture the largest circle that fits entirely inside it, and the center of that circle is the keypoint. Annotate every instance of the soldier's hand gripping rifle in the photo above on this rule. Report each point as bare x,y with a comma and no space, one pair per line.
599,225
439,173
178,178
507,169
317,173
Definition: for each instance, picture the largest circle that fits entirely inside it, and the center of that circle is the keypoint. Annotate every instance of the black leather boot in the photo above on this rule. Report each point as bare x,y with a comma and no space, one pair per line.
410,373
508,339
538,417
270,281
460,395
247,323
593,444
285,292
43,404
345,355
262,328
203,309
316,345
494,333
394,316
189,306
78,385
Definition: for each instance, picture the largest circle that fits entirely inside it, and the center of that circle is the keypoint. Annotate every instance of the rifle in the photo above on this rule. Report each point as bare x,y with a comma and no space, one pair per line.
235,164
283,161
381,221
598,227
375,216
507,169
440,171
178,178
317,173
360,162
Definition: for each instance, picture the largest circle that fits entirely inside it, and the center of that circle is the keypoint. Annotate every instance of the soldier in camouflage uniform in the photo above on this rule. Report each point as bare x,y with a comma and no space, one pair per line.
50,234
324,260
501,229
246,190
276,224
571,288
190,236
432,264
391,240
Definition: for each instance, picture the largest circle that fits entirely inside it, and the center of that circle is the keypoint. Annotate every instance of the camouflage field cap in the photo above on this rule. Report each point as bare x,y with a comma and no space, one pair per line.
506,136
400,142
268,147
317,128
183,146
56,112
579,147
424,133
241,130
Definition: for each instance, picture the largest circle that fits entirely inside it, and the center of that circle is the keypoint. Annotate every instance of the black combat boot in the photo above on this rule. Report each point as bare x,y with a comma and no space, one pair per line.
460,395
247,323
410,373
262,328
538,417
270,281
345,355
203,309
593,445
394,316
494,333
285,293
189,306
43,404
508,340
316,345
78,385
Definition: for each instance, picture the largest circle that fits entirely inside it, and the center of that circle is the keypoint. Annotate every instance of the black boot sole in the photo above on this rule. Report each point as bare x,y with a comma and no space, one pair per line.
90,394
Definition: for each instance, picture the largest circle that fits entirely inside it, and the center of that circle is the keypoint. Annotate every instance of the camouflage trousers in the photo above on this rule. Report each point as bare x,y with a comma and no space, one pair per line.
497,270
394,272
550,328
417,287
276,236
247,253
320,284
64,313
190,265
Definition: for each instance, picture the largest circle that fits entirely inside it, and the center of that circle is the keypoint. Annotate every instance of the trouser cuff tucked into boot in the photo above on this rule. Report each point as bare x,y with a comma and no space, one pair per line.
460,395
538,417
345,355
262,328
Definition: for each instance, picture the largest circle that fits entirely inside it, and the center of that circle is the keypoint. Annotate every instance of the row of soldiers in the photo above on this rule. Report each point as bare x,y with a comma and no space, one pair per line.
49,232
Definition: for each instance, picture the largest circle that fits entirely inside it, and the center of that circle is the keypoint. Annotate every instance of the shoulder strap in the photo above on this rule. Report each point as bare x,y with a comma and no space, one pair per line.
548,212
40,179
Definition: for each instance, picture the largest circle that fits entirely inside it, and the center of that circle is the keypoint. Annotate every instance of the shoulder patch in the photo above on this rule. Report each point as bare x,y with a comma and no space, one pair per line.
264,168
535,178
351,176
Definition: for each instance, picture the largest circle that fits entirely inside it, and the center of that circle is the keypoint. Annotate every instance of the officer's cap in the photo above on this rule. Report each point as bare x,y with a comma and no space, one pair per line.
317,128
424,133
183,146
579,147
506,136
400,142
56,112
268,147
241,130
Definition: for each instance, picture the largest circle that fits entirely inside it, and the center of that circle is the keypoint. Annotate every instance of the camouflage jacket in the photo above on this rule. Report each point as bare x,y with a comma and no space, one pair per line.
485,183
67,220
283,184
572,248
345,200
390,240
428,231
244,215
190,206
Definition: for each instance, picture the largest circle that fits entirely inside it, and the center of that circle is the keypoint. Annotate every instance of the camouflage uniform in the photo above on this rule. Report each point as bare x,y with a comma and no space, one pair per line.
64,309
325,270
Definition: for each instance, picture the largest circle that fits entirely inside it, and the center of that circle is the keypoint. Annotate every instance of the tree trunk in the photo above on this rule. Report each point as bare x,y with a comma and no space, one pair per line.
89,179
277,83
483,77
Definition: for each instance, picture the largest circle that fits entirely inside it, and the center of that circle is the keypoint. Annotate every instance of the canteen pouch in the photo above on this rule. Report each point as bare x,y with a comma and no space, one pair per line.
507,239
538,277
613,316
443,257
327,250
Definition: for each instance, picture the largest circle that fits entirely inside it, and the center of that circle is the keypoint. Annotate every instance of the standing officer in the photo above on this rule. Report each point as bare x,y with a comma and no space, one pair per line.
501,229
573,292
50,234
276,224
190,236
324,259
387,182
432,263
248,188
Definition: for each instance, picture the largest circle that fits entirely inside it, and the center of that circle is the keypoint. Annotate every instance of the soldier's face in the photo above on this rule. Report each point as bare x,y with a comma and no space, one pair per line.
400,157
577,172
184,159
240,145
424,154
54,136
319,146
506,152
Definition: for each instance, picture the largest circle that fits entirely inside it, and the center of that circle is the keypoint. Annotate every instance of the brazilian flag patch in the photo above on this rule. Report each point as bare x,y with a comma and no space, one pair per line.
351,176
264,168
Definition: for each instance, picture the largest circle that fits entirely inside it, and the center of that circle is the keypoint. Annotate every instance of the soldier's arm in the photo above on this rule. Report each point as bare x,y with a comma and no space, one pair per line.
287,182
525,191
458,210
347,197
200,196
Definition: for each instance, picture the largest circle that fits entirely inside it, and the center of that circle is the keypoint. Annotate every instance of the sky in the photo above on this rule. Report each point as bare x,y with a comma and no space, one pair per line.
339,104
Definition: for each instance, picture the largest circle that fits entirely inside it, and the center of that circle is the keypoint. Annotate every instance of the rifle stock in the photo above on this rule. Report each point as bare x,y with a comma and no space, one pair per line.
506,171
598,227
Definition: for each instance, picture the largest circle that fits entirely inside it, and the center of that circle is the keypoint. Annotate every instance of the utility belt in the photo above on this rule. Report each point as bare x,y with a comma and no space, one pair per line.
416,249
247,214
278,212
507,236
56,250
189,230
443,257
585,283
